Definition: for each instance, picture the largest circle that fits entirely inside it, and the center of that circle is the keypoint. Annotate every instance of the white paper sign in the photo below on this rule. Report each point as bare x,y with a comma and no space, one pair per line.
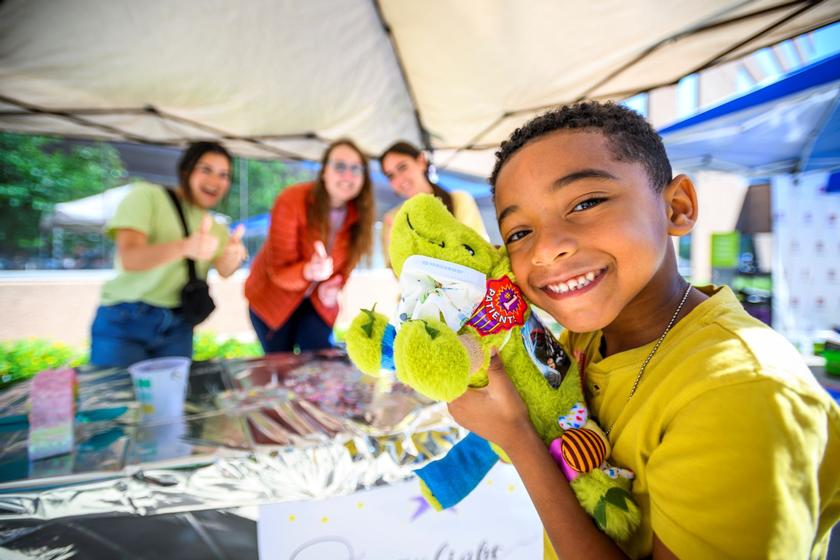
394,523
436,289
806,256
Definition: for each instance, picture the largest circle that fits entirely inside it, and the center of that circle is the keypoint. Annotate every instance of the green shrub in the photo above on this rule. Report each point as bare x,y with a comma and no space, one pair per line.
21,359
207,346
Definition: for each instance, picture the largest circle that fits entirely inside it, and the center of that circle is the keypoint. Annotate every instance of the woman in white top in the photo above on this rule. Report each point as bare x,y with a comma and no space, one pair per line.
407,169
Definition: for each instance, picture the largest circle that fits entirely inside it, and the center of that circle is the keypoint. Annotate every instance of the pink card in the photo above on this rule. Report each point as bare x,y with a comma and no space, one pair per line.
52,399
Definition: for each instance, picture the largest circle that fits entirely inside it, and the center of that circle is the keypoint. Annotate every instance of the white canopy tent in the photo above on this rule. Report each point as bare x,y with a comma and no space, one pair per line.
91,213
278,78
88,214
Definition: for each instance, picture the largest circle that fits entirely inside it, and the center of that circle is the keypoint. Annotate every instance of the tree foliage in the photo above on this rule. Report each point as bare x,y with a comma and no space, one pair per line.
37,172
265,179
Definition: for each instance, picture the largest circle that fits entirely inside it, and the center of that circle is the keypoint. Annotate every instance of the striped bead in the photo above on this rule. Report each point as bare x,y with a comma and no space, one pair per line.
583,449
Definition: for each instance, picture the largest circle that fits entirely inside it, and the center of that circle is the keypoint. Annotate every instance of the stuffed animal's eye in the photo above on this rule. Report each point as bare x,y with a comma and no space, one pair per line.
442,245
469,250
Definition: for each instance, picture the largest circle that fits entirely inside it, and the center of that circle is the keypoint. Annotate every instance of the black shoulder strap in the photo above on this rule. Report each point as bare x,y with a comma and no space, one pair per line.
177,203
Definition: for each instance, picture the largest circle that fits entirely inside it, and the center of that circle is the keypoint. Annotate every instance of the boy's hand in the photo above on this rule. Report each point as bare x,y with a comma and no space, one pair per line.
320,266
201,245
495,412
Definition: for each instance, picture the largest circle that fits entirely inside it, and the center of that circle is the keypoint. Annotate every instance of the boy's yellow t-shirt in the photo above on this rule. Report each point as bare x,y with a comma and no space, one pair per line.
148,209
735,445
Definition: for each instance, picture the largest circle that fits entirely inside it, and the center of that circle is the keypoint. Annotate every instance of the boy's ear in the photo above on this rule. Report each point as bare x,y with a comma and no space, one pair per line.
681,202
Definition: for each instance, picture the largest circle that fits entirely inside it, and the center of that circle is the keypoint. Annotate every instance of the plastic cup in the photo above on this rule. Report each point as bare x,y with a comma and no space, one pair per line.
160,442
160,386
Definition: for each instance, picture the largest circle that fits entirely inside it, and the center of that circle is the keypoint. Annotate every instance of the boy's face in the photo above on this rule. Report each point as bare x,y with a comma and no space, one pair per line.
587,234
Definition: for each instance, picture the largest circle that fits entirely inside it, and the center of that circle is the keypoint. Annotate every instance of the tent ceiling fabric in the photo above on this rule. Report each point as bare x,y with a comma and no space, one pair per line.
279,79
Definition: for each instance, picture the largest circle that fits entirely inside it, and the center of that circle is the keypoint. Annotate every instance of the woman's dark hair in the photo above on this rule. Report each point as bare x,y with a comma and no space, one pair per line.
407,149
317,212
189,159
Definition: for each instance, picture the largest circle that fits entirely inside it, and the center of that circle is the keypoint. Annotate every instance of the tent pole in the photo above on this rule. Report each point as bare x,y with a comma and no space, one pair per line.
57,243
805,156
129,137
587,94
72,118
808,4
711,62
151,109
650,50
243,189
425,138
471,144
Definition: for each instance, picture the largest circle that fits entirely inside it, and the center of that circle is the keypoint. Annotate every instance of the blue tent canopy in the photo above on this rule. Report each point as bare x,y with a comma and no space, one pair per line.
255,226
792,125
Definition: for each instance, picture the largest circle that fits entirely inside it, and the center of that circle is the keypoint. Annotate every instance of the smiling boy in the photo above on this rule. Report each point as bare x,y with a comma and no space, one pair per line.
735,446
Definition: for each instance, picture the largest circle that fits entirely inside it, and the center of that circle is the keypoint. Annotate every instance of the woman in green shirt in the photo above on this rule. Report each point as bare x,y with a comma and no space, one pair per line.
139,316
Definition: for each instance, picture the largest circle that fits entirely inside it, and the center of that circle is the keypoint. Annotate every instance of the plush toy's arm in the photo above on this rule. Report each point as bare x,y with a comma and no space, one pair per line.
448,480
370,342
431,359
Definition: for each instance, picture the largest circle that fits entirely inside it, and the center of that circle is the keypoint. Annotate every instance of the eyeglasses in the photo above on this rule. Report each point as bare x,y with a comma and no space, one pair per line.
340,167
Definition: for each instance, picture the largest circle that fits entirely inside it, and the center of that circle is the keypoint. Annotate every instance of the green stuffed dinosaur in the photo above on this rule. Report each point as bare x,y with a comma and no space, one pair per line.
458,301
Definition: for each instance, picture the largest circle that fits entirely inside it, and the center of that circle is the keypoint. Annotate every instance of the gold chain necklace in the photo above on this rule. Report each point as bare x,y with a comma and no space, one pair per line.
652,352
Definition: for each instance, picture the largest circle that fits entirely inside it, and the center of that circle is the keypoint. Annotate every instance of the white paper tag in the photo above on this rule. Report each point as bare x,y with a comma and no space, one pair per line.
436,289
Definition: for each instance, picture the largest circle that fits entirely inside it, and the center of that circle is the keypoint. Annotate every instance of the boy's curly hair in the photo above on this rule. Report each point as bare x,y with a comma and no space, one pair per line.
629,135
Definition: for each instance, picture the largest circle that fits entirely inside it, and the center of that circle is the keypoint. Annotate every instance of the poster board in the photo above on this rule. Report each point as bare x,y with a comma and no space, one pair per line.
394,523
806,256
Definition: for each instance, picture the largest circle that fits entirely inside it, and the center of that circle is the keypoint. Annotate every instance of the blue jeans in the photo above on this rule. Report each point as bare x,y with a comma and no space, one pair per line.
304,329
126,333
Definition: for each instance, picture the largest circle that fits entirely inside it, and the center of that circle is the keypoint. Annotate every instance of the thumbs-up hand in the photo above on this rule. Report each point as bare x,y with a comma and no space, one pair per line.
201,245
235,252
321,251
320,266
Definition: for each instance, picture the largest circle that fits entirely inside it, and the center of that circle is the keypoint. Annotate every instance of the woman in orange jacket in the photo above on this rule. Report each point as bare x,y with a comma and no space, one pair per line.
318,233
